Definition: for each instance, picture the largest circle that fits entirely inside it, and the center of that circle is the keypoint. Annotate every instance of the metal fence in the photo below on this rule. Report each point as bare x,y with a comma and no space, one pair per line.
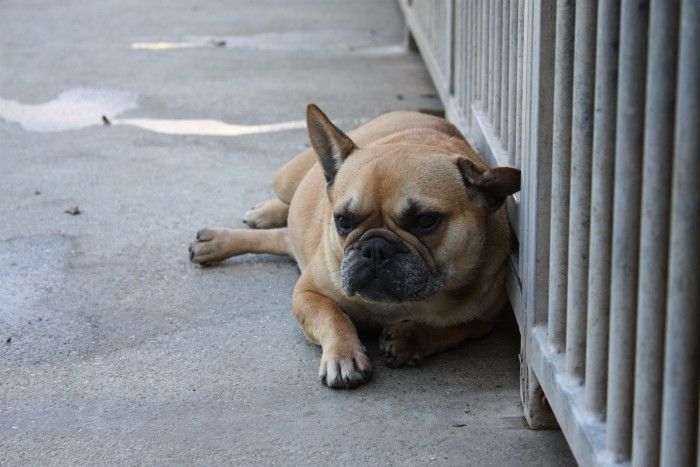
598,103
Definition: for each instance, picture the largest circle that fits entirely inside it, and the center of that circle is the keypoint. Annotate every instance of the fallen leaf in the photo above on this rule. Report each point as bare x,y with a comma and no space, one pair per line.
73,210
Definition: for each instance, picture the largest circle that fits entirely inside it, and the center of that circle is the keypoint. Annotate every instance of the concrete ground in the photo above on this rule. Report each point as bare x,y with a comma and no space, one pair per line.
114,348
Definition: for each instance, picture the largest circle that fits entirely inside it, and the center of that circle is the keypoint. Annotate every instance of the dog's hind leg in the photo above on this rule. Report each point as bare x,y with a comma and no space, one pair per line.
289,176
213,245
272,213
269,214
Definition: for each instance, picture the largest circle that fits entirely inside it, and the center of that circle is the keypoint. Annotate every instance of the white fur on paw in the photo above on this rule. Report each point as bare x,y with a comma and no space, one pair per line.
344,370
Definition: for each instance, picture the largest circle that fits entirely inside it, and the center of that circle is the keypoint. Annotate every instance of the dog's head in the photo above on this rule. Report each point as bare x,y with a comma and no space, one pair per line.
407,220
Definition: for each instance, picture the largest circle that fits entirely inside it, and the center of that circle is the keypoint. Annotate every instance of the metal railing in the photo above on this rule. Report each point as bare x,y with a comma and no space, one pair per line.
598,104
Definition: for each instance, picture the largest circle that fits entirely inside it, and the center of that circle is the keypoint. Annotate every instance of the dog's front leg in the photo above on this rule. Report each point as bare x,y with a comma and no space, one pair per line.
344,361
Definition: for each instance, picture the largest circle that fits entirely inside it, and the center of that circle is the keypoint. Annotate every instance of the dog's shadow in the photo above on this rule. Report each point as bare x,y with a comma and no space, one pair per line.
488,363
248,259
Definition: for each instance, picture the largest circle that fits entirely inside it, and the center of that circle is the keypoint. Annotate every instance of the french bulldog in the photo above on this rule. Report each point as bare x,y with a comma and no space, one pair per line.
398,224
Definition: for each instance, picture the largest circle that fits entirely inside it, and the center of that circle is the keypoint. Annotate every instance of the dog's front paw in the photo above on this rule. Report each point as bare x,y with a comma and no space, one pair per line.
344,366
208,247
402,344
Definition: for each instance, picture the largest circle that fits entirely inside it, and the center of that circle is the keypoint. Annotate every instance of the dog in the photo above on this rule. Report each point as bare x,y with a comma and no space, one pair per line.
398,224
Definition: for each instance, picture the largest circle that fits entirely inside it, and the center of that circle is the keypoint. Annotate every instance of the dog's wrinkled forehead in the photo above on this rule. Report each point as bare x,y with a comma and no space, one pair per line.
395,182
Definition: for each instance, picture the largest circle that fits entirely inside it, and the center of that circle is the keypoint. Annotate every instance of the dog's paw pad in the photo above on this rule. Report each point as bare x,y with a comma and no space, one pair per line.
344,369
400,344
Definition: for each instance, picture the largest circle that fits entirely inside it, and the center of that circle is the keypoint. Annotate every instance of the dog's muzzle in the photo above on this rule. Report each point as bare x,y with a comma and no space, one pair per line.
380,267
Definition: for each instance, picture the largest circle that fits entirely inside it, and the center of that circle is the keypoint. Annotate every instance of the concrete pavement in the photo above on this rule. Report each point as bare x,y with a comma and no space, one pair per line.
114,349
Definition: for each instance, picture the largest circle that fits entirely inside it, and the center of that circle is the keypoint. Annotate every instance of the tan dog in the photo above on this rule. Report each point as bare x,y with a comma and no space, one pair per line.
399,224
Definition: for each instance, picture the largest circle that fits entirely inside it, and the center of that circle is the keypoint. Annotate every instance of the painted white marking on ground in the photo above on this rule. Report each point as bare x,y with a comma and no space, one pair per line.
206,127
81,108
71,110
366,42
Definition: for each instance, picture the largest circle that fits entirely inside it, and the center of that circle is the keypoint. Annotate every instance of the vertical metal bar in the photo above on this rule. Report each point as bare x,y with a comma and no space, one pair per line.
448,19
497,39
561,160
476,6
512,71
681,364
520,85
460,54
653,251
628,178
468,68
471,9
524,253
430,21
485,27
603,168
492,45
537,150
475,11
580,197
505,61
423,18
480,56
431,9
464,13
537,187
524,265
459,83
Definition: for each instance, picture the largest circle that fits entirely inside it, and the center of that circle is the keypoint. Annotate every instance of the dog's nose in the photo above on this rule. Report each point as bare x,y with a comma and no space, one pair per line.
377,249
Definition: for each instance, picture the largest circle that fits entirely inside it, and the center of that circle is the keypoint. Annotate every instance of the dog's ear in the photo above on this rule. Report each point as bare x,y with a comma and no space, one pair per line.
489,188
331,145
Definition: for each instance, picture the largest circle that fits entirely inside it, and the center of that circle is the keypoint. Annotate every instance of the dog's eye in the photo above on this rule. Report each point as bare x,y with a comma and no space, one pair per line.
343,224
426,223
